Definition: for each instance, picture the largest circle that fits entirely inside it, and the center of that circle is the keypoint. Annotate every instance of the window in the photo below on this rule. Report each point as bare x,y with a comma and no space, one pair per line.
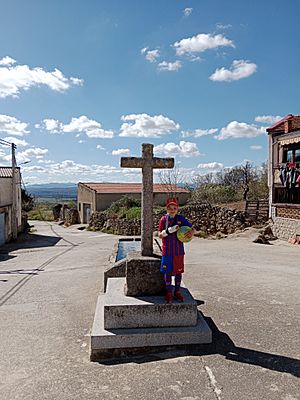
291,154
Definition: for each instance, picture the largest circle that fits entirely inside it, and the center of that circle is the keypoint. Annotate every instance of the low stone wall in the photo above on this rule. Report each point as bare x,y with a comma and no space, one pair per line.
286,221
207,219
285,228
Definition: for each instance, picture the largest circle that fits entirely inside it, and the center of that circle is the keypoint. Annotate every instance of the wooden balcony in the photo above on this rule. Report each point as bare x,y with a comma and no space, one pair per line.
286,195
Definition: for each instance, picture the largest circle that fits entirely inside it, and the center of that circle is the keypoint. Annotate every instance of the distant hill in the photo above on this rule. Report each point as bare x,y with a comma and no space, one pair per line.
53,191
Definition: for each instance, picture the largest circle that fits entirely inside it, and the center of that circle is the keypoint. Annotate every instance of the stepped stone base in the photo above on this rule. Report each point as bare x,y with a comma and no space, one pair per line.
123,323
122,311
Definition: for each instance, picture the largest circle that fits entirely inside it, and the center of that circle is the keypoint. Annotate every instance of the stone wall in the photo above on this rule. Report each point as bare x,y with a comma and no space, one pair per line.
207,219
286,221
285,228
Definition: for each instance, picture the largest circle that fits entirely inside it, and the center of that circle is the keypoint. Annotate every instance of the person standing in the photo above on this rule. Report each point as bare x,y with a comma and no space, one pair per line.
172,262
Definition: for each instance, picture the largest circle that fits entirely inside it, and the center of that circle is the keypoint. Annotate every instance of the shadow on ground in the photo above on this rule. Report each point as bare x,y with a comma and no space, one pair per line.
222,345
27,241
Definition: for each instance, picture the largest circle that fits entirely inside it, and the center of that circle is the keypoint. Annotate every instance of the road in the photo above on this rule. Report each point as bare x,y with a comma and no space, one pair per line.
249,293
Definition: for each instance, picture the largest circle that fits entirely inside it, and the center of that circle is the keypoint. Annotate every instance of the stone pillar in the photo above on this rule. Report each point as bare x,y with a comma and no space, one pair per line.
147,201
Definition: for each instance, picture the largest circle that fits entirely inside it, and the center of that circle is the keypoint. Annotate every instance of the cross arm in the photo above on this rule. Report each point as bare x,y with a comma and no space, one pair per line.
163,162
132,162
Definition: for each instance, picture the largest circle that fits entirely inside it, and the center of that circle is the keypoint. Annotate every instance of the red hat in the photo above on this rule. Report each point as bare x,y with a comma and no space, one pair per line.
172,200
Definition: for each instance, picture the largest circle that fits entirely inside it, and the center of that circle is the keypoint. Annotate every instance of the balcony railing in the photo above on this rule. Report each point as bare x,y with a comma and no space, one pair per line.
287,195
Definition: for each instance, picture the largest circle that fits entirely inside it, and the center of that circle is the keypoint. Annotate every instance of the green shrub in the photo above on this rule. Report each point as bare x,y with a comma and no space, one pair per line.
121,206
133,213
214,193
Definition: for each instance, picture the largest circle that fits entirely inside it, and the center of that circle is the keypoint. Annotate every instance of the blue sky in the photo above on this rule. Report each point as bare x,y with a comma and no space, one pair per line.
83,83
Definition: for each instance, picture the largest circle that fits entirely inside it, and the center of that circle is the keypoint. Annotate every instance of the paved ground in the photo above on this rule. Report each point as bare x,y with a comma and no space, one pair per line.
248,292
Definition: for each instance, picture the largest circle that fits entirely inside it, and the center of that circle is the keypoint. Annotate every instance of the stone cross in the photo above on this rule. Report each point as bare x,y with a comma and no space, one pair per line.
147,162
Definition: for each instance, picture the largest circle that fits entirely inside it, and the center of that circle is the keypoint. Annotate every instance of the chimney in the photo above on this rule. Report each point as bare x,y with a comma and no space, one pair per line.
287,126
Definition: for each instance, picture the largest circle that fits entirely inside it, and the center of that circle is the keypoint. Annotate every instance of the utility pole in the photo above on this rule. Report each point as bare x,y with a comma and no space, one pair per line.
14,219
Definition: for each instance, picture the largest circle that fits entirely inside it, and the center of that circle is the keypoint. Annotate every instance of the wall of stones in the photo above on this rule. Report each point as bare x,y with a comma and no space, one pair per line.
286,222
207,219
285,228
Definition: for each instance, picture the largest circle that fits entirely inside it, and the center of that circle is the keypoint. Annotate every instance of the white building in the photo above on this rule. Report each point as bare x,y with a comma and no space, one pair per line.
6,203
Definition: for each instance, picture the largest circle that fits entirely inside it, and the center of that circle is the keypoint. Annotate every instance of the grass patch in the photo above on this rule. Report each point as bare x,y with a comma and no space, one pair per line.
41,212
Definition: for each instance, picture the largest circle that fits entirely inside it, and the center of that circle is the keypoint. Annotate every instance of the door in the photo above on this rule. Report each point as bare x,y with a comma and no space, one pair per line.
86,213
2,228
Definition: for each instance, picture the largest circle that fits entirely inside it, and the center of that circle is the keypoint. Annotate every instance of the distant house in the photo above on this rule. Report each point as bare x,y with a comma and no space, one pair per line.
7,217
284,172
93,197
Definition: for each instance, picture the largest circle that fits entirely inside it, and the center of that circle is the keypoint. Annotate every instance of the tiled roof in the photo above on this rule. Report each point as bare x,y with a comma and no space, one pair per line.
131,188
6,172
287,124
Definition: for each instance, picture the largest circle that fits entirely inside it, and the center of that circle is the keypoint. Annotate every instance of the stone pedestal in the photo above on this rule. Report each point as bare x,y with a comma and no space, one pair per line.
125,323
143,276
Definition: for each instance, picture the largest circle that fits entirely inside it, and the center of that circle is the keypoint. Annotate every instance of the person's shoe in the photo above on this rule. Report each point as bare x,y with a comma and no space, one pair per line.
169,297
179,296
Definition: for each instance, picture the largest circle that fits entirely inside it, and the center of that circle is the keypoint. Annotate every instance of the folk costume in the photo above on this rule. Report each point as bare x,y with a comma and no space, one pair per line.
172,262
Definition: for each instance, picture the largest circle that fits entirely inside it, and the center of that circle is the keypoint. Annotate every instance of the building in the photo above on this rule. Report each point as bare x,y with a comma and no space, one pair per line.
93,197
284,172
10,213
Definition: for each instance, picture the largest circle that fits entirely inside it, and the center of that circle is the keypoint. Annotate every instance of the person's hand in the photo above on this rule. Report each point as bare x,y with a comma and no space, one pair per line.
173,229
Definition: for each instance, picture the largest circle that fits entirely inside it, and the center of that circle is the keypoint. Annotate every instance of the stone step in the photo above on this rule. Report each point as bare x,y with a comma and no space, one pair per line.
106,342
121,312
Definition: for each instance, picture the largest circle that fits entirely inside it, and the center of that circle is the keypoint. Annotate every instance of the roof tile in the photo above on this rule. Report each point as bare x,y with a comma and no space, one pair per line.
131,188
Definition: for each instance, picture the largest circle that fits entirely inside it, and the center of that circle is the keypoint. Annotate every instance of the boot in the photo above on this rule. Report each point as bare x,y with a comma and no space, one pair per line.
178,296
169,297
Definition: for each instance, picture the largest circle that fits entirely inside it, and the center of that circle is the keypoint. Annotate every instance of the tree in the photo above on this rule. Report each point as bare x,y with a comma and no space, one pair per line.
171,178
27,201
241,182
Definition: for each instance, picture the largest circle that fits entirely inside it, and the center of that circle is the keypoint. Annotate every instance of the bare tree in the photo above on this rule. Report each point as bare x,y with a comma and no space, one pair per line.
171,178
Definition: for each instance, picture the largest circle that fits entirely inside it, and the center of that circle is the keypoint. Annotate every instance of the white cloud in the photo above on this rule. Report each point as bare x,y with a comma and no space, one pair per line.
50,125
144,125
17,142
34,168
121,152
268,119
201,43
199,132
35,152
239,69
27,155
41,161
71,171
12,126
187,11
184,149
14,78
256,147
78,125
3,156
223,26
240,130
169,66
99,147
7,61
151,55
213,166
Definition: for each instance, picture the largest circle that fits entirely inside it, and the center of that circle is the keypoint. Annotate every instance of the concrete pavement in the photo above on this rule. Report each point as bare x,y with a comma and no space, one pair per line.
249,293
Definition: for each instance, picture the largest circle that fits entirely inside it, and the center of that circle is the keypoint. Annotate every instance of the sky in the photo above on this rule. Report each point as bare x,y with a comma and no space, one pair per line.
83,83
